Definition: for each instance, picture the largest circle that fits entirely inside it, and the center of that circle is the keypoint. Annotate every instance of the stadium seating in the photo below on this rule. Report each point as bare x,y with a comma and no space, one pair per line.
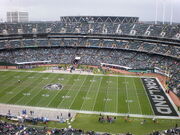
135,60
159,47
132,29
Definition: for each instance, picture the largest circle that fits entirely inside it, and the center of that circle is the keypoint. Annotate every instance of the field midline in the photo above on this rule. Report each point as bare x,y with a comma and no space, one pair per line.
127,98
92,112
80,74
47,92
111,94
66,81
67,94
31,98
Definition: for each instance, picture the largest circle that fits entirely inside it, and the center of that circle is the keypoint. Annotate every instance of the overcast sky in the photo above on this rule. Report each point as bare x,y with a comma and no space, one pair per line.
46,10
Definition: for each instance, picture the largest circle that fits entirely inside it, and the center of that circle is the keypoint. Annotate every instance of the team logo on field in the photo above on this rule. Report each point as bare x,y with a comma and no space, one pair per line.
159,100
53,87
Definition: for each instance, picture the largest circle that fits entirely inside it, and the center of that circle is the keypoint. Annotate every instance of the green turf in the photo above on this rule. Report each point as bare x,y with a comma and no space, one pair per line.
80,92
133,125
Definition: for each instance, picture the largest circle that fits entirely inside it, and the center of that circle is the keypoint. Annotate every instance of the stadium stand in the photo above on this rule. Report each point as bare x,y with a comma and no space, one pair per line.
114,40
7,128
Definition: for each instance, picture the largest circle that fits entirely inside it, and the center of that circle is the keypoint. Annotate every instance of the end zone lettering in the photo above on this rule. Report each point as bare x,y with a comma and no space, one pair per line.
159,101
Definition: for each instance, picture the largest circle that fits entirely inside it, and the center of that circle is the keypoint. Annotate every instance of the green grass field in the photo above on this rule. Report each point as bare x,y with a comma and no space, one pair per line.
79,92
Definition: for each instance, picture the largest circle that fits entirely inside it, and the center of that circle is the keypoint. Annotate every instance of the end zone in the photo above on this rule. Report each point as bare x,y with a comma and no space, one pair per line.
158,99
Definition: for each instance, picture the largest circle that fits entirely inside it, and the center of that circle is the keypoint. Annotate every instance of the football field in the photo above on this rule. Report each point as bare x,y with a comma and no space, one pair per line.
115,94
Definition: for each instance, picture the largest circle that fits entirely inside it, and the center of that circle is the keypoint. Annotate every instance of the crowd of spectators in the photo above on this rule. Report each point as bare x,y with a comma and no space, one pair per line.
9,128
173,131
156,48
93,56
138,54
135,29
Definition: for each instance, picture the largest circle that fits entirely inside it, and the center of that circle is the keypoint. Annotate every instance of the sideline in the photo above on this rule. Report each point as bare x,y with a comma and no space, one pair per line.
74,72
54,112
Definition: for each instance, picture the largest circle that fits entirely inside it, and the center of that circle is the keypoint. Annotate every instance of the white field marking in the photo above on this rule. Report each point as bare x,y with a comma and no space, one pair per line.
108,81
106,93
89,112
86,98
67,93
175,107
97,94
117,88
45,95
27,94
79,74
17,76
77,79
61,79
107,99
66,97
50,81
28,91
9,92
31,77
78,92
11,76
45,78
126,83
87,93
66,82
11,84
147,97
127,96
19,86
137,95
37,92
92,80
129,101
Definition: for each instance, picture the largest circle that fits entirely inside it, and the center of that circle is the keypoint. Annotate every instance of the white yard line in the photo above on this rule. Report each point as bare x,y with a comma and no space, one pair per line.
38,91
88,92
50,81
59,91
147,97
78,92
18,87
9,85
28,91
137,95
106,93
117,95
67,93
97,94
127,98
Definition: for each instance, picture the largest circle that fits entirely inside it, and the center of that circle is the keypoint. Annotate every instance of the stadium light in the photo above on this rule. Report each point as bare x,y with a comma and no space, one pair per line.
164,10
156,14
172,11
